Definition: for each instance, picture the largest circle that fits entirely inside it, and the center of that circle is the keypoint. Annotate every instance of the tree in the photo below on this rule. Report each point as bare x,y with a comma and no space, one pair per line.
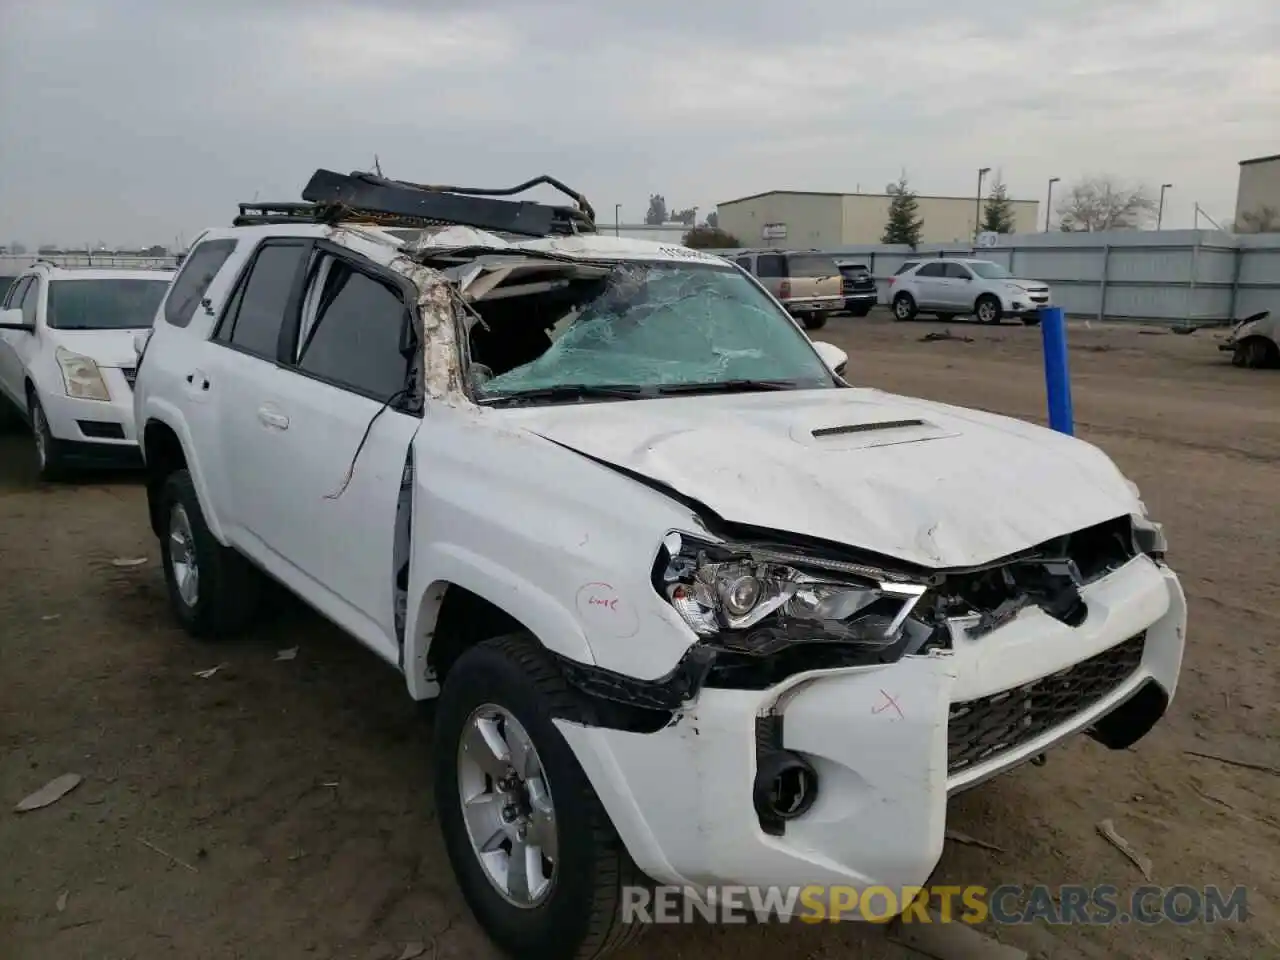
1264,219
998,217
687,216
657,209
708,237
904,224
1100,203
713,219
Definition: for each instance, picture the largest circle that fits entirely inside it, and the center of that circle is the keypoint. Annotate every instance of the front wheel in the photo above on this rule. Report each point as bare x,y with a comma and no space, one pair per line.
534,852
49,460
1251,353
988,309
814,321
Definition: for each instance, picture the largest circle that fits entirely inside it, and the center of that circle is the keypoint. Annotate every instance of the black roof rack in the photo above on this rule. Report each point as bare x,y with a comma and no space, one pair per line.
364,197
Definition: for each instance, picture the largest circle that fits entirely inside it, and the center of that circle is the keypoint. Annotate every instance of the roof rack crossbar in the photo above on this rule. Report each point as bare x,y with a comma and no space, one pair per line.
332,197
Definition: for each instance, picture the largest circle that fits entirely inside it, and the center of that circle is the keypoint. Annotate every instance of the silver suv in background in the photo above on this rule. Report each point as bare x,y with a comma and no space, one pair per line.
808,283
950,288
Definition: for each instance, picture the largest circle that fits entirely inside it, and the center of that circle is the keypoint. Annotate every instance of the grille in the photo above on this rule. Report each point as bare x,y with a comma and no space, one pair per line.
130,375
978,730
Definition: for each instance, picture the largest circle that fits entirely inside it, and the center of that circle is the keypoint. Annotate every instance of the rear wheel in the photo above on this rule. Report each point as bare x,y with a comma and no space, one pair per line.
1252,353
904,307
988,309
534,852
214,591
814,321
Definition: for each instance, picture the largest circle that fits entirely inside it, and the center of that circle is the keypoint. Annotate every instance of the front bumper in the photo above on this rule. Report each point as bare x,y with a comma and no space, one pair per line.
877,737
96,423
1025,304
867,299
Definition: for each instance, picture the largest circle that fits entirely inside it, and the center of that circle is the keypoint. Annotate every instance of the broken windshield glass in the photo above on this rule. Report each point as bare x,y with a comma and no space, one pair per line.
646,325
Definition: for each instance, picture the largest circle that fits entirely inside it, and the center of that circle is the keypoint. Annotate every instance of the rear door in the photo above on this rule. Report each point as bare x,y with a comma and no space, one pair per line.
929,284
335,442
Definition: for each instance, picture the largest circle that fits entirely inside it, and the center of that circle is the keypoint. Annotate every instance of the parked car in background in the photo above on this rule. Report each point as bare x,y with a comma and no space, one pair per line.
808,283
859,288
67,360
1254,341
962,287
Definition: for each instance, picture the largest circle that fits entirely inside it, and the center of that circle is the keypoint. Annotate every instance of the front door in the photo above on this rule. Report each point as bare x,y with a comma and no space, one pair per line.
930,280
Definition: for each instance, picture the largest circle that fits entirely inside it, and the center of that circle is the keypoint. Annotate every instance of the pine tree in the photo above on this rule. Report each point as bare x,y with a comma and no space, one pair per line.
904,224
997,216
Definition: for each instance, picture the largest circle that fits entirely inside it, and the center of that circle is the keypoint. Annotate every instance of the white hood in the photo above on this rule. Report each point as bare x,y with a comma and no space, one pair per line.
106,348
961,488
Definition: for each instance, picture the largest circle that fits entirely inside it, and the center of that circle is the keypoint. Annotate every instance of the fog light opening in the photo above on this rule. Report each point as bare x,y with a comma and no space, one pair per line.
786,787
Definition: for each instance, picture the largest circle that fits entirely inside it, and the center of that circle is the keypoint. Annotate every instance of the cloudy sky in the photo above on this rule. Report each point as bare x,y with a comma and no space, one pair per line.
138,121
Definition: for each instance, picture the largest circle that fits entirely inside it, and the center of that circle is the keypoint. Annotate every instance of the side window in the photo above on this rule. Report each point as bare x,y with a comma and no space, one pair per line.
30,298
356,336
13,299
263,299
905,267
770,265
958,271
744,263
932,270
192,281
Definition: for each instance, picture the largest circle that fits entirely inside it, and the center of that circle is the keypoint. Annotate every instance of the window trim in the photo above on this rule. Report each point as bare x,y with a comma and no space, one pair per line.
224,329
33,288
412,403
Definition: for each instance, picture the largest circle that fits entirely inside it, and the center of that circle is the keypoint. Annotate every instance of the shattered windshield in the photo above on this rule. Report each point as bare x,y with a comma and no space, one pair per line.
641,327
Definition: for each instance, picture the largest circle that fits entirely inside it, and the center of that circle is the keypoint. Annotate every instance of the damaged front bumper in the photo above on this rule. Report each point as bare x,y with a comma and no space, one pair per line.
886,745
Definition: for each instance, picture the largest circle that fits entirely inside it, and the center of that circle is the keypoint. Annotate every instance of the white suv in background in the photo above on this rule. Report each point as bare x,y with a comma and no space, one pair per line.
949,288
693,606
67,360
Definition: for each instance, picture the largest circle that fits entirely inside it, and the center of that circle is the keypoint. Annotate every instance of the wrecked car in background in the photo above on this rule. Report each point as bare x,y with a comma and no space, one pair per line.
1254,341
693,606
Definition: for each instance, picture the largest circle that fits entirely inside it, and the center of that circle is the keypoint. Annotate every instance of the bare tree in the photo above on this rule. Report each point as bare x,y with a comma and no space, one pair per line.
1101,203
1264,219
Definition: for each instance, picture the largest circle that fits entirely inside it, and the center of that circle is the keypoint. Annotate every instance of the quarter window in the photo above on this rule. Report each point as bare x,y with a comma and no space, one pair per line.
30,299
193,280
770,265
932,270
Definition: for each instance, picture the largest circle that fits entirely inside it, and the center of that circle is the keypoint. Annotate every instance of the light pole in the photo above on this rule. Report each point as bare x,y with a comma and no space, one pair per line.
1048,203
977,203
1160,212
617,212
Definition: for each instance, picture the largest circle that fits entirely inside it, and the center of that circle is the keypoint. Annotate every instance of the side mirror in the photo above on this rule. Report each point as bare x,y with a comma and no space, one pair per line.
835,358
12,320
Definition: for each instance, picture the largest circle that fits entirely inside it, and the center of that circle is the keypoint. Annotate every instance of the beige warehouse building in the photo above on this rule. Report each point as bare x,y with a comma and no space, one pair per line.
791,218
1258,193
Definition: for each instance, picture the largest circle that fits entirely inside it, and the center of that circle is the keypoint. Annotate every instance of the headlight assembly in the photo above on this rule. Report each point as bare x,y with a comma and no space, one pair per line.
757,601
1148,537
81,376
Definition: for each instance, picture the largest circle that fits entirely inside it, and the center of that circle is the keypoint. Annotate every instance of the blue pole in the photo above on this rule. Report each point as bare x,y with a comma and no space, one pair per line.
1057,378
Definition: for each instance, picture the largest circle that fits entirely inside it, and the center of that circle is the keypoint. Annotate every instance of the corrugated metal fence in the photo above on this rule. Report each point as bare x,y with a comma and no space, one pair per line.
1178,276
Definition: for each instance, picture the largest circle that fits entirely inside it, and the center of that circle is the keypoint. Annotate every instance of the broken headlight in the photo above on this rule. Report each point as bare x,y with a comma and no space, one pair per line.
756,601
1148,537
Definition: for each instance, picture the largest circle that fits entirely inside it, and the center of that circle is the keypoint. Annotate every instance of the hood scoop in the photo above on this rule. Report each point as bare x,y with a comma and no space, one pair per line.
873,433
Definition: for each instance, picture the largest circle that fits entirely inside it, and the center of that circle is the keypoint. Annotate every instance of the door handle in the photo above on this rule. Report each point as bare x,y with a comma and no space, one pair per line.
272,419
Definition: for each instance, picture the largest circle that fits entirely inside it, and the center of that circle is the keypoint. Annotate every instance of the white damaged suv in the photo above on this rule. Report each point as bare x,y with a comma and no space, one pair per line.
695,608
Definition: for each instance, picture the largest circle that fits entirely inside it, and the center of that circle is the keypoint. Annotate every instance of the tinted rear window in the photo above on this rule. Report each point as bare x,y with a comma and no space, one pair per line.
124,304
811,265
5,283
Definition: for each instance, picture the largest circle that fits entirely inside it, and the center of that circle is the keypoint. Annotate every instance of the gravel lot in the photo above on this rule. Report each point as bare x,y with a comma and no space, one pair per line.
296,792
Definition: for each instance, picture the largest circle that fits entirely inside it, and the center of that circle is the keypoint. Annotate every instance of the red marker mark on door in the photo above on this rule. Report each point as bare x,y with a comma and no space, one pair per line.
888,704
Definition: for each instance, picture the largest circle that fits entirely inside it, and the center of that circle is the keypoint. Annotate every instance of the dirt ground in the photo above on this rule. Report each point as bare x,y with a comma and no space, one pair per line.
282,808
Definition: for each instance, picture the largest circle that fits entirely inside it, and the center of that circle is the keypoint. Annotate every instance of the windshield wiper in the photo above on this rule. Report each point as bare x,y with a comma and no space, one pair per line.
728,386
573,391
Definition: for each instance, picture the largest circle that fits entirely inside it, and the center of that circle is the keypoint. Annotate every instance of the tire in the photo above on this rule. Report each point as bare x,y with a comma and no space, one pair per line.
220,592
904,307
1250,353
814,321
50,463
988,309
861,310
579,916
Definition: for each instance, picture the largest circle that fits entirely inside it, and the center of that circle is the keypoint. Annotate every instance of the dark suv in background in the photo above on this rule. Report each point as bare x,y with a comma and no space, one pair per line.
858,287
